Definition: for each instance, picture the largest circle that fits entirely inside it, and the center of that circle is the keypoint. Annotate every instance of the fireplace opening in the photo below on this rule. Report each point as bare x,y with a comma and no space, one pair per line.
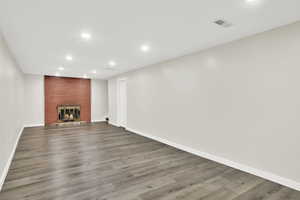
68,113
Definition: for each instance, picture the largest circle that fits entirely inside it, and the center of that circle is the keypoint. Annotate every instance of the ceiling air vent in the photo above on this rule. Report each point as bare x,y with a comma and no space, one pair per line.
223,23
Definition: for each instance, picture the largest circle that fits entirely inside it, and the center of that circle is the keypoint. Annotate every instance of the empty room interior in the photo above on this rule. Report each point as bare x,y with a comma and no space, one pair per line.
149,100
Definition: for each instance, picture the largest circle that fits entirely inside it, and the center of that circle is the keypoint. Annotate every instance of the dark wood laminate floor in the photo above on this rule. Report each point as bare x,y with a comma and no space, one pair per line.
99,161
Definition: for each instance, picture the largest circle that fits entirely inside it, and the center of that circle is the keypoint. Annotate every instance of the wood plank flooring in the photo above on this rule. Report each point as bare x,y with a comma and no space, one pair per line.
102,162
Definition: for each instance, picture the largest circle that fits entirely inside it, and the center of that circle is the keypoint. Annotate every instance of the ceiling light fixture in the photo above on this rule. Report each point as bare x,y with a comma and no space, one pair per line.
145,48
86,36
112,63
94,72
69,57
61,68
252,1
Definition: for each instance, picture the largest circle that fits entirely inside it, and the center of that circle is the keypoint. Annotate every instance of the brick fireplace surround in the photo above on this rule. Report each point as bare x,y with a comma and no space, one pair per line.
71,91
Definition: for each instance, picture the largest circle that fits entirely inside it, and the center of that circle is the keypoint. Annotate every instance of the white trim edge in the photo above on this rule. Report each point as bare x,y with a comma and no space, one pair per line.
98,120
6,169
114,124
33,125
257,172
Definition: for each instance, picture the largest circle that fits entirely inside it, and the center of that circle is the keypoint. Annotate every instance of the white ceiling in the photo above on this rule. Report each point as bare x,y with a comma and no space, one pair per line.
41,33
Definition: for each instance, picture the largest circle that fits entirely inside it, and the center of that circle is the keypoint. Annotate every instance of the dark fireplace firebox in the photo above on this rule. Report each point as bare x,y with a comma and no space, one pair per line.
68,113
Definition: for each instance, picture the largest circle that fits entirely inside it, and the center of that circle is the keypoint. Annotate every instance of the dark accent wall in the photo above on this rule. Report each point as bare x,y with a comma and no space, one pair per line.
61,90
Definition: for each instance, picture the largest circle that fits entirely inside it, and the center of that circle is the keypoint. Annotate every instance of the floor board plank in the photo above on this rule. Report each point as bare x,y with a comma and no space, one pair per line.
101,162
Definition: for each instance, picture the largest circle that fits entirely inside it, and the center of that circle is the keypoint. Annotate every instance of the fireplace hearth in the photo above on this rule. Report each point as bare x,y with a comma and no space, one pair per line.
68,113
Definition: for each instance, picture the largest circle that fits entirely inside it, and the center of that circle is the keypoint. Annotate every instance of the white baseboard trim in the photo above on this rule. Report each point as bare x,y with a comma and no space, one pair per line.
5,172
257,172
98,120
114,124
33,125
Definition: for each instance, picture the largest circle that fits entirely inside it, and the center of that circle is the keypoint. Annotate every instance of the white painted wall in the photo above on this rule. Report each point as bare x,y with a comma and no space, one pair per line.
99,99
112,101
34,101
238,101
11,106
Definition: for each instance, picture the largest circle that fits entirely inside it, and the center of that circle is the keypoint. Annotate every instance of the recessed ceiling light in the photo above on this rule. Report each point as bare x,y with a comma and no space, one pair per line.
61,68
252,1
69,57
94,72
86,36
112,63
145,48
